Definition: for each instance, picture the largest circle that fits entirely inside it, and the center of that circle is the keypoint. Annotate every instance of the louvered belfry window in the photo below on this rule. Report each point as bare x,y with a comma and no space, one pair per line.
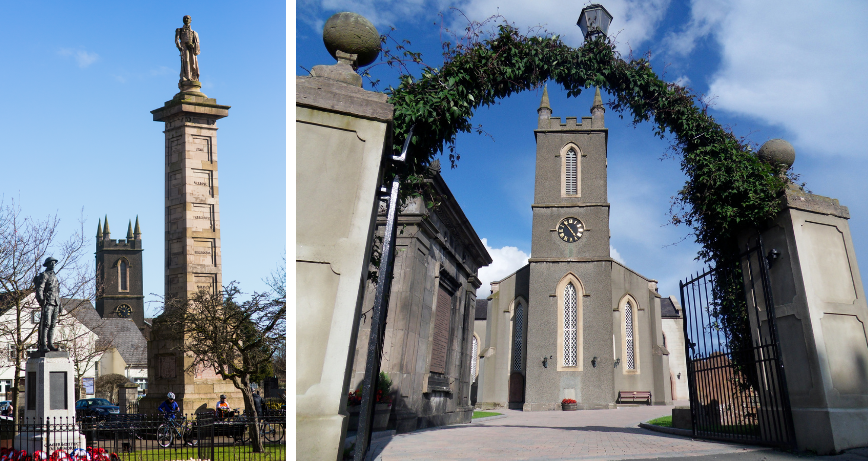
628,326
122,276
570,334
474,357
440,342
518,334
571,179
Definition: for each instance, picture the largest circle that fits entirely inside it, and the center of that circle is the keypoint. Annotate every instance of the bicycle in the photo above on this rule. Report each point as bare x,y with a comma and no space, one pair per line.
174,429
271,431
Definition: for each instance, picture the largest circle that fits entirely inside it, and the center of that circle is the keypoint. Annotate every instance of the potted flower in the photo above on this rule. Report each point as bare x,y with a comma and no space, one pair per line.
354,405
382,404
569,405
383,407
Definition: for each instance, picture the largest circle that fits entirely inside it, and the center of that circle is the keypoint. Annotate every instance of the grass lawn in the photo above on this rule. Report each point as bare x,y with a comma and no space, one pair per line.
663,421
272,452
484,414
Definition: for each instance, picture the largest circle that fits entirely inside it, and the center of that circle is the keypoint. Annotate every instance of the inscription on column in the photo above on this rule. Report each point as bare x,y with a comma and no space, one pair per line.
201,183
203,217
200,148
203,252
205,282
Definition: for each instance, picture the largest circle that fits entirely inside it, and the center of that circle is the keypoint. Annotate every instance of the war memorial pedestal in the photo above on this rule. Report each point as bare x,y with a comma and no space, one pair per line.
49,409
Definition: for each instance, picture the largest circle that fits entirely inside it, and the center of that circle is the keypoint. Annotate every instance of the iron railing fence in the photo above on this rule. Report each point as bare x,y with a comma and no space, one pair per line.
735,374
135,437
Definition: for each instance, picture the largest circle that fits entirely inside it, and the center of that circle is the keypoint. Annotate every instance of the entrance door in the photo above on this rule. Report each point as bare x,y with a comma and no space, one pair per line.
516,390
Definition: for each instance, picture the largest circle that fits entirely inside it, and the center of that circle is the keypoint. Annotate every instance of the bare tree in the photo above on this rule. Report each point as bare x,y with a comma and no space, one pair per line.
236,339
277,282
82,344
24,244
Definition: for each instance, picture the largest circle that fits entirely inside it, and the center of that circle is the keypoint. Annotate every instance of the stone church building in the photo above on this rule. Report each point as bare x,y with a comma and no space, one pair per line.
573,323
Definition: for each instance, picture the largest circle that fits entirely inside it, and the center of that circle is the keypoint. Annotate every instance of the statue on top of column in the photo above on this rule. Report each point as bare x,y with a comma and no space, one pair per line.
187,42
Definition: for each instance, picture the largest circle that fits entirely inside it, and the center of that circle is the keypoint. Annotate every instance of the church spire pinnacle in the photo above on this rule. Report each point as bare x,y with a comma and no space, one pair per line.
106,231
130,230
598,110
544,111
544,103
137,232
99,230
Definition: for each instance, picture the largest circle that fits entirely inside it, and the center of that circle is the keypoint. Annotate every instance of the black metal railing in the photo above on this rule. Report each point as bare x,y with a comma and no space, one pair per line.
135,437
734,370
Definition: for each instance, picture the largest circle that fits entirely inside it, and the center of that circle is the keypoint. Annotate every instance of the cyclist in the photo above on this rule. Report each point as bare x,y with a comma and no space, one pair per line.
169,407
222,409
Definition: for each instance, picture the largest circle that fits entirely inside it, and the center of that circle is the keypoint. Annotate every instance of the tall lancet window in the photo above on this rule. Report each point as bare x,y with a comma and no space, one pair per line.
570,333
571,178
474,357
122,276
518,337
628,327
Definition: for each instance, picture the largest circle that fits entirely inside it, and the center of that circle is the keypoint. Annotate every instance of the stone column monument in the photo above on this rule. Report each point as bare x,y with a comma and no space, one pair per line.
342,132
821,315
192,229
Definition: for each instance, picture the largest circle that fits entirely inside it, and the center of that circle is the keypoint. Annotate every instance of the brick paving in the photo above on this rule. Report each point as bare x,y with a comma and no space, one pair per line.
556,435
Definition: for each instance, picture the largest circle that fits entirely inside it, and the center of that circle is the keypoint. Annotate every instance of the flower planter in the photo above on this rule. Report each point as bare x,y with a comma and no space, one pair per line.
569,406
353,424
381,416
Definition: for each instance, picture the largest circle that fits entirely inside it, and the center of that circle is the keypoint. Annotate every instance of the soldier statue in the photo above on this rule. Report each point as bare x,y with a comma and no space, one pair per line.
48,297
187,42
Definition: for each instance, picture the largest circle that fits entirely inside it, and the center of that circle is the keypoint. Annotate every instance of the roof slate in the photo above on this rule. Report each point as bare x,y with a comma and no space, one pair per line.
122,334
667,309
481,309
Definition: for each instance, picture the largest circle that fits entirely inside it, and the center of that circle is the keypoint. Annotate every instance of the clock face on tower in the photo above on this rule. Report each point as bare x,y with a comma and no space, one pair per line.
570,230
124,311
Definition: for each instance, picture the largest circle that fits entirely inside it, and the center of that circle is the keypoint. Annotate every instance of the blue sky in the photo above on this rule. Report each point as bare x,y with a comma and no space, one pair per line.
771,69
79,81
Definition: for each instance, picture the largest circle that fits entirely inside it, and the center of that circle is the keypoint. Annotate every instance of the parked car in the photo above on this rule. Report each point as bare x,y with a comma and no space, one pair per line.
6,409
96,408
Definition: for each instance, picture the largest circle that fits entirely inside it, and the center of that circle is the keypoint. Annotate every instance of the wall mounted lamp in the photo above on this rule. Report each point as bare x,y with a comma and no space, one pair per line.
773,256
679,375
617,362
545,361
594,362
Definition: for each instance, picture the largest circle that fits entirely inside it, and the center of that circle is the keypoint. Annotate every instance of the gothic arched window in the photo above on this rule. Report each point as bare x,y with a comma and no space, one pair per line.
518,337
570,336
628,327
570,173
123,276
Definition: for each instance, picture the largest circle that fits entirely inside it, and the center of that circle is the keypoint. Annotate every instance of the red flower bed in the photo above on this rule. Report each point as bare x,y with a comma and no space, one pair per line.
568,401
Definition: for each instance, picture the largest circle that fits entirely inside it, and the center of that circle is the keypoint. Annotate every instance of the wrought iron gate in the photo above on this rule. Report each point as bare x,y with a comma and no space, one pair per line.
738,389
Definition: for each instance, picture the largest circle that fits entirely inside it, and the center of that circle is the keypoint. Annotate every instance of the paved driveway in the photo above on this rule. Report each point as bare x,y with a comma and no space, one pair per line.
558,435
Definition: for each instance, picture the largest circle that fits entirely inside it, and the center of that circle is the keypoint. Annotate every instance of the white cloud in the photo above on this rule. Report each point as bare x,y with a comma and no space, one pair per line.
789,67
82,58
506,260
634,20
615,255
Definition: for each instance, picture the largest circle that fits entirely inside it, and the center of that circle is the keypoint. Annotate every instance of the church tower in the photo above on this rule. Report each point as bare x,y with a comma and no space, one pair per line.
120,292
569,319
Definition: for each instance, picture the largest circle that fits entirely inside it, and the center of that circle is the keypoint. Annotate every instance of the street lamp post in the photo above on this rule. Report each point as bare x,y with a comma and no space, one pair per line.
594,20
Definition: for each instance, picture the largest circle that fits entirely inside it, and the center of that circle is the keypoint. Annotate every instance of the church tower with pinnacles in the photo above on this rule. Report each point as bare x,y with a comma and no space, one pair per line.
574,323
120,292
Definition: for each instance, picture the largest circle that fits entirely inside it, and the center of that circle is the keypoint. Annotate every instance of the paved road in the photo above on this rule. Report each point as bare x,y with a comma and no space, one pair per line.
558,435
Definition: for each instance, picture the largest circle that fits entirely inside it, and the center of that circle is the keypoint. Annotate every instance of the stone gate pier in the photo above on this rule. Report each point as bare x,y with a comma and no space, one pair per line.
821,316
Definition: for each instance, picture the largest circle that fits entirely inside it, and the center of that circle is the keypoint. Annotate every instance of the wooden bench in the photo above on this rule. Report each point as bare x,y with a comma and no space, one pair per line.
634,396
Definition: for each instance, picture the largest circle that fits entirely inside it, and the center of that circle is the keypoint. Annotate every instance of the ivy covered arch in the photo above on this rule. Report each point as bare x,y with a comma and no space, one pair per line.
727,187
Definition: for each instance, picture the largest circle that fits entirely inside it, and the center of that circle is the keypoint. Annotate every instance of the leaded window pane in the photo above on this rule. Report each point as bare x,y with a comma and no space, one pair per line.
570,336
518,336
474,357
571,175
628,326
